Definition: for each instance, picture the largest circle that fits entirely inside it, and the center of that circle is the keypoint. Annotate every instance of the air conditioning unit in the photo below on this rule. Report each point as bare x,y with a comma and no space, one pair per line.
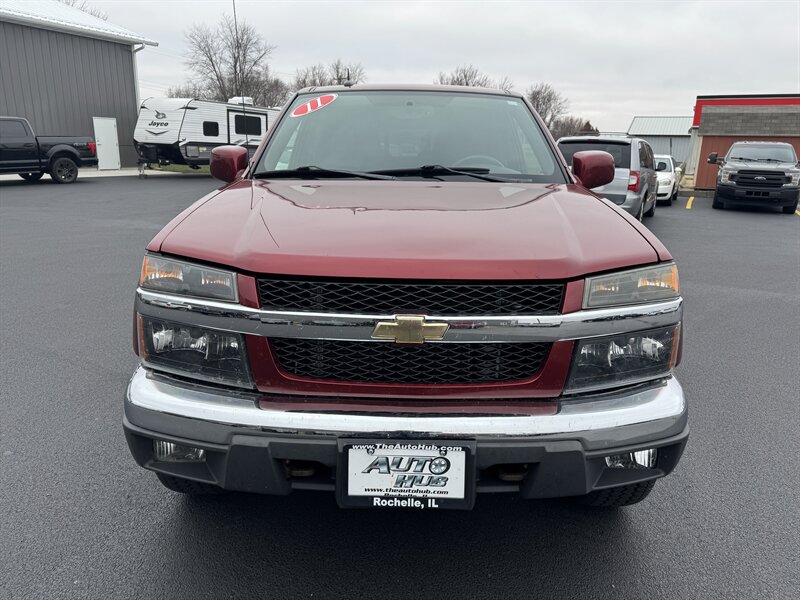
241,100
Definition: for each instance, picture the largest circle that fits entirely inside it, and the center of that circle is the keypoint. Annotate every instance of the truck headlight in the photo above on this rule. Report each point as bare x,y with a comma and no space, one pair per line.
187,279
207,354
725,174
651,284
623,359
795,178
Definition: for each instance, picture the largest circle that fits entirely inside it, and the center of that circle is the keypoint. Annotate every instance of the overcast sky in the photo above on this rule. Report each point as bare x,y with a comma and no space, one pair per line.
612,60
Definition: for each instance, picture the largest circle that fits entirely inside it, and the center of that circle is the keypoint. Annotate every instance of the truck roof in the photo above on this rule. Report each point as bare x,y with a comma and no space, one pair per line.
603,137
409,87
762,143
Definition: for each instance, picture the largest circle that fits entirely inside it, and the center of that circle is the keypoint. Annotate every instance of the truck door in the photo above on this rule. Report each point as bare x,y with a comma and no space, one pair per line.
19,152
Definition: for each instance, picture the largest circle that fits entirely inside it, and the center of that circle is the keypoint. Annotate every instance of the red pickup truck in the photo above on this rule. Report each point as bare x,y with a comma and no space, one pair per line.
407,298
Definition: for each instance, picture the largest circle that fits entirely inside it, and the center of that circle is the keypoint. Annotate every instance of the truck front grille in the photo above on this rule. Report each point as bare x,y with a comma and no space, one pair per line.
384,362
412,297
767,179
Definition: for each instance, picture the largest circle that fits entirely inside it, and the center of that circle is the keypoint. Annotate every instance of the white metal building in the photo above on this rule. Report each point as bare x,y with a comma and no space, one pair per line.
666,135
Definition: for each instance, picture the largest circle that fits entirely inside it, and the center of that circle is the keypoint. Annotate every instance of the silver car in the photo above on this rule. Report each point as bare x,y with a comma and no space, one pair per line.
635,182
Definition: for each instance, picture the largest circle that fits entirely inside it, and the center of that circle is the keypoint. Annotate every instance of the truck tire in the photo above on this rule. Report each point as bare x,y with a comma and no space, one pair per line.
63,170
640,215
790,210
187,486
31,176
716,202
615,497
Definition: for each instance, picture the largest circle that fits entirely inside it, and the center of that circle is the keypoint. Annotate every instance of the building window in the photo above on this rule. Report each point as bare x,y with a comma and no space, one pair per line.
210,128
247,125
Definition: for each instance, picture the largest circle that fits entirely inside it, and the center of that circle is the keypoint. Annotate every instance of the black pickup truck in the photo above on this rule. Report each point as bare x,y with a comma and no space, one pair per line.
758,174
32,156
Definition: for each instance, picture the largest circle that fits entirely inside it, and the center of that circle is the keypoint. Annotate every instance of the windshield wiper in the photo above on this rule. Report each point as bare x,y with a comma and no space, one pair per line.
757,159
314,172
432,170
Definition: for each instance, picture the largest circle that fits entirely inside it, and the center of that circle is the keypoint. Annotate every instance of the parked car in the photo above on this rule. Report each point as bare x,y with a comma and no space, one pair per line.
418,303
635,183
669,178
758,174
32,156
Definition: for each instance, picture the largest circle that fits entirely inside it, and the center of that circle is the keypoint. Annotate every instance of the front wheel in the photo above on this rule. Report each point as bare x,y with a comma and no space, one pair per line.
652,210
640,214
716,202
616,497
673,196
31,176
64,170
789,210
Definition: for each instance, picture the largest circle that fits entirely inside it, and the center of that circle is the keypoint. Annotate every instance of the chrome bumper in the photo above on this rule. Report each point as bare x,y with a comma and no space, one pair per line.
664,401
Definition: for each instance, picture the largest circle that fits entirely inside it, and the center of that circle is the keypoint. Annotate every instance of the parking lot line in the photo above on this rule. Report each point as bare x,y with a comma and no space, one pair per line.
689,203
797,212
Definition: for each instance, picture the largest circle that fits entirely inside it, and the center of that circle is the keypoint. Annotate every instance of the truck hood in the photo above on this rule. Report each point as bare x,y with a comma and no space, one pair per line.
409,229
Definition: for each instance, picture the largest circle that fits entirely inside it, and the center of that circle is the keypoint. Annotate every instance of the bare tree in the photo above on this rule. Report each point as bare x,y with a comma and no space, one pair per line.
190,89
465,75
565,126
470,75
548,102
336,73
273,91
311,76
505,84
230,60
87,8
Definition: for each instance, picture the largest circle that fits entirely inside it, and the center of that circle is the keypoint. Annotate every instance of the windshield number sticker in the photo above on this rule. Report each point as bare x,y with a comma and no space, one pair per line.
313,105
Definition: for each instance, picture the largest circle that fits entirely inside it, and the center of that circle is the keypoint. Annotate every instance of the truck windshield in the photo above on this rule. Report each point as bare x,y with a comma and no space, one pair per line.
764,153
405,134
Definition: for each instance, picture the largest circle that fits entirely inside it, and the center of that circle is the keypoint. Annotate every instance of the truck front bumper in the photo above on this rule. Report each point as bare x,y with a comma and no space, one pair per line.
736,194
255,449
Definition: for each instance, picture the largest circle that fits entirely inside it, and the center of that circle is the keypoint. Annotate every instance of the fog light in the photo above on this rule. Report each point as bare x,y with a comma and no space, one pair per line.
643,459
169,452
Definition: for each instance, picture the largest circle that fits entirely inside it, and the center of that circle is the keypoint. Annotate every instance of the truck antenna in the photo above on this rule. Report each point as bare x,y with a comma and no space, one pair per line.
237,79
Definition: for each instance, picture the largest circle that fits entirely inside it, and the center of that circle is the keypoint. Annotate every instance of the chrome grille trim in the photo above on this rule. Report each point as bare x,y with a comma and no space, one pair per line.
329,326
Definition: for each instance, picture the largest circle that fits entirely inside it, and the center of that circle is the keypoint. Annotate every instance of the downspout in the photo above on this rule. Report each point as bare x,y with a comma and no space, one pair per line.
134,50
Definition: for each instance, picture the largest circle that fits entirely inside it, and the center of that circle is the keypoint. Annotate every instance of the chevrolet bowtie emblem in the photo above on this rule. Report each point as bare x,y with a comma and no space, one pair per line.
409,329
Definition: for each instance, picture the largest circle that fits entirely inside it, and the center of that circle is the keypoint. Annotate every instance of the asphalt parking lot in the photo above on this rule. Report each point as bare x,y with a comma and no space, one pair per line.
78,518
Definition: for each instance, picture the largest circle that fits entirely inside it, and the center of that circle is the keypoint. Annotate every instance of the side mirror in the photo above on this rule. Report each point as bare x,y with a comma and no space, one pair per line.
593,168
678,170
228,161
712,158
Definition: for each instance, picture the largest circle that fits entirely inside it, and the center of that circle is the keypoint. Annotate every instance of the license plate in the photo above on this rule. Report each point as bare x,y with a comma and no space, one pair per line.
406,474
